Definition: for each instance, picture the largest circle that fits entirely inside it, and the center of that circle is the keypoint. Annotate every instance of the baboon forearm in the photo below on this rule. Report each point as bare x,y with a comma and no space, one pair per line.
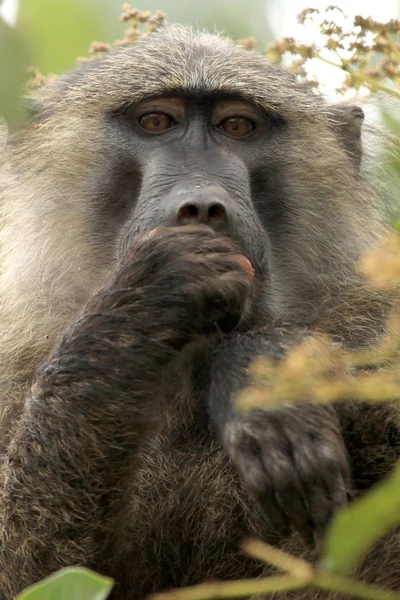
92,403
229,369
99,394
278,452
229,374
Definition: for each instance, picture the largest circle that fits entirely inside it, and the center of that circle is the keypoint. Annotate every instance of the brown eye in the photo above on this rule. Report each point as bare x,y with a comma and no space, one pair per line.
156,122
237,126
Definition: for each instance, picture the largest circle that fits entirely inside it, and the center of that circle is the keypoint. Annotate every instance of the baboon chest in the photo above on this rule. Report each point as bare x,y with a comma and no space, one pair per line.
187,513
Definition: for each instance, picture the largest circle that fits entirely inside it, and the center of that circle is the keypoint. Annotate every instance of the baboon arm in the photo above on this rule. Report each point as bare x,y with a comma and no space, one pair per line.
98,395
298,455
293,459
228,371
74,446
363,425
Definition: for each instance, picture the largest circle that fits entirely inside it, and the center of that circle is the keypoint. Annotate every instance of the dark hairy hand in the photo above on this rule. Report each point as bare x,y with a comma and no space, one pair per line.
189,277
294,464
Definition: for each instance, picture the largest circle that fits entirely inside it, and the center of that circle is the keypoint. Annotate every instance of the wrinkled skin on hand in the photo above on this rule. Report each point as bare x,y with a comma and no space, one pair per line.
294,464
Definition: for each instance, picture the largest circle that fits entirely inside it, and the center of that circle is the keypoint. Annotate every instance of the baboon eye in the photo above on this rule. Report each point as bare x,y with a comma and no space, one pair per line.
156,122
237,126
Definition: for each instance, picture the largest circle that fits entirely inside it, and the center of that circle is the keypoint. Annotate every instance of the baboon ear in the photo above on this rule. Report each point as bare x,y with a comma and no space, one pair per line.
346,121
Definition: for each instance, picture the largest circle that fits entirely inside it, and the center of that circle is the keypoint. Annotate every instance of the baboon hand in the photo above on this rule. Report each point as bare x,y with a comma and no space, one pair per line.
188,276
294,464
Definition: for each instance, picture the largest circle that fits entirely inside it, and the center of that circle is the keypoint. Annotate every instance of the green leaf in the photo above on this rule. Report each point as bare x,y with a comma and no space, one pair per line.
13,62
72,583
356,528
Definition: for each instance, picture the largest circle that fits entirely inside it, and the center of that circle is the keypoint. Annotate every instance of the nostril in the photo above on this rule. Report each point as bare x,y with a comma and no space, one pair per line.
217,211
189,211
212,213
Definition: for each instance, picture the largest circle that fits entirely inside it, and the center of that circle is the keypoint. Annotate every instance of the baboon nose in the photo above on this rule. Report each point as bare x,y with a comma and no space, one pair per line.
213,214
206,207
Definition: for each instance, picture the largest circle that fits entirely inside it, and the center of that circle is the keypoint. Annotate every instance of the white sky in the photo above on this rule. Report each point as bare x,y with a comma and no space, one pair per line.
9,10
282,17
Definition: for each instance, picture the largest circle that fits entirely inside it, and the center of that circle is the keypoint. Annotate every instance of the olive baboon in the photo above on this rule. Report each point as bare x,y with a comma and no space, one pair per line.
127,210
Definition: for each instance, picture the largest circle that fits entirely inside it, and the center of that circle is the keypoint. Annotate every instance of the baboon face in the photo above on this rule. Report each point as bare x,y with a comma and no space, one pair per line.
185,129
198,158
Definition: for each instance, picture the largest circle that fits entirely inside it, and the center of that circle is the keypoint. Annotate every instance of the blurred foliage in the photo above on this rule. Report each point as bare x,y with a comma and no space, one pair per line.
13,75
234,18
367,51
42,37
298,574
353,531
57,31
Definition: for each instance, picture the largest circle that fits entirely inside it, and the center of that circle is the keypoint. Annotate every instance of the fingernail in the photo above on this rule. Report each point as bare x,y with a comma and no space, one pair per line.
247,266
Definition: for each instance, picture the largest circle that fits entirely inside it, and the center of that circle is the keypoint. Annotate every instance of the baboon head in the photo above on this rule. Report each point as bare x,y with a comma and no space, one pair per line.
187,128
